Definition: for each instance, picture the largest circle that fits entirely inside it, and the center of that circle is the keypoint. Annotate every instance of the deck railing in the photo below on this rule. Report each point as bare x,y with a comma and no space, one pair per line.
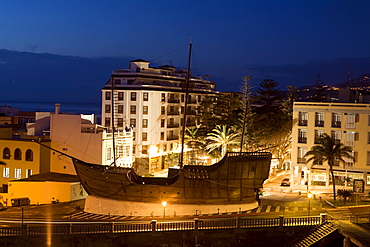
153,226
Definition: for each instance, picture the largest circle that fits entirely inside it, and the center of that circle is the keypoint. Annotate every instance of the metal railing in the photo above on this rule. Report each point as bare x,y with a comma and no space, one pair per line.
153,226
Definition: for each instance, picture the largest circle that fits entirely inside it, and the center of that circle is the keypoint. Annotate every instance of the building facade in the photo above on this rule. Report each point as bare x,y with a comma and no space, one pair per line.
151,101
349,123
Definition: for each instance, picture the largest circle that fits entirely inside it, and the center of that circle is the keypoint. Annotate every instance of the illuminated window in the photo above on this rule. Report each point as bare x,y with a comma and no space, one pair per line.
163,97
145,110
109,153
144,149
145,136
145,123
6,153
29,155
28,173
17,154
6,172
163,110
133,122
18,173
145,96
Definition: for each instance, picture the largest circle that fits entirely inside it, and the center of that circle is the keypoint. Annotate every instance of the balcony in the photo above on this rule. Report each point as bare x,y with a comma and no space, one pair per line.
336,124
302,139
301,160
173,125
319,123
302,122
173,113
171,138
173,101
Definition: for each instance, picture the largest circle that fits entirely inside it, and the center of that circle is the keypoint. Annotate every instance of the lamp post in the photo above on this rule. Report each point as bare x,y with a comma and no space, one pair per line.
309,195
164,204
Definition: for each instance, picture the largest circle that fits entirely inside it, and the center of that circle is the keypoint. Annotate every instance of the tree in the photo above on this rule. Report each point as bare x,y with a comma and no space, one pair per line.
193,141
246,90
287,103
320,89
221,138
328,151
345,194
268,92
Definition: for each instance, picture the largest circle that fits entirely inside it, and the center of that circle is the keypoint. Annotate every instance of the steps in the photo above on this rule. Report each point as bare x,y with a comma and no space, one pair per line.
314,235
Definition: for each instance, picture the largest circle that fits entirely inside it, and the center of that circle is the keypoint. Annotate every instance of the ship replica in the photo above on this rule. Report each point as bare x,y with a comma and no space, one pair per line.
234,180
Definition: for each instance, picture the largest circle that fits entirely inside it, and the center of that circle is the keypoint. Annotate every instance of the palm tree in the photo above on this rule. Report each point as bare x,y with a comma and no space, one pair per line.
194,142
345,194
328,151
221,137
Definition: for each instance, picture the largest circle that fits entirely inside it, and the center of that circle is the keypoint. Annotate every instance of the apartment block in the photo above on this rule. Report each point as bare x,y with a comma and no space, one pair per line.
349,123
151,101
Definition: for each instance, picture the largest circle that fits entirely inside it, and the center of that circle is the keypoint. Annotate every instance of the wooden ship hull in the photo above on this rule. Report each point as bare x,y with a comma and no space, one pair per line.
234,180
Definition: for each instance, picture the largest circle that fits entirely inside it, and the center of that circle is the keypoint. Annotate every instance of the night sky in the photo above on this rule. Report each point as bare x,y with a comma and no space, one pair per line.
289,41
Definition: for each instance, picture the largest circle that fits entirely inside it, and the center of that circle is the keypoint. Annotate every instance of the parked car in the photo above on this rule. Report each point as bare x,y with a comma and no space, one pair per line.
285,182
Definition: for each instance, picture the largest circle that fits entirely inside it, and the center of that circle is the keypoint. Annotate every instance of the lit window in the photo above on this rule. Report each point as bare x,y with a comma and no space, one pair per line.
145,110
145,136
18,173
145,96
109,150
6,172
163,110
132,122
145,123
28,173
144,149
163,98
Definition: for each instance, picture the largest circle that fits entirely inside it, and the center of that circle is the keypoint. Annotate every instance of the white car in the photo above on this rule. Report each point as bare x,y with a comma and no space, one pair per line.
285,182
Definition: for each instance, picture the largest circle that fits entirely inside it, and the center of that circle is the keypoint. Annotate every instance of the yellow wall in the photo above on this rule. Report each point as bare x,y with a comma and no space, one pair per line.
45,192
40,158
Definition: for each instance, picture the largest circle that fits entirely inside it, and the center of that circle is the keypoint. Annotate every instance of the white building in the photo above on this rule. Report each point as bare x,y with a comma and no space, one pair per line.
152,101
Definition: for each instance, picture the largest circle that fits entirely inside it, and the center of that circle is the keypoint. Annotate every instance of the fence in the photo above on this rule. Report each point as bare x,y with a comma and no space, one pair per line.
153,226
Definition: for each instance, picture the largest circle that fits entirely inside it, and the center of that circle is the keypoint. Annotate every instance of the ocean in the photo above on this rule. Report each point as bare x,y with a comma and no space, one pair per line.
49,106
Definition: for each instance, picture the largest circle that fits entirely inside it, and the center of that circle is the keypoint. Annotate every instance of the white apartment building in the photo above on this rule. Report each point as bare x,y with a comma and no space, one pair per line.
349,123
151,100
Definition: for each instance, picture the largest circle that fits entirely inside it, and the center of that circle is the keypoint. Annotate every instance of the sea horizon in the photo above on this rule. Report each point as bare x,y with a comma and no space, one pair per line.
78,107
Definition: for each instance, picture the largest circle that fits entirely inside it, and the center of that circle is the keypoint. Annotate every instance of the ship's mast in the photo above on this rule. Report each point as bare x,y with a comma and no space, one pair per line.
185,107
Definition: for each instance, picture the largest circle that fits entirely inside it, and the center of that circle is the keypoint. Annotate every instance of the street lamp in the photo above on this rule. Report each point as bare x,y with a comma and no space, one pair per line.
309,195
164,204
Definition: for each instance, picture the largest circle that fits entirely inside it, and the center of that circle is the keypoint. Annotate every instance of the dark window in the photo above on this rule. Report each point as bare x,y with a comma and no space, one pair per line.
120,95
133,109
6,153
120,122
145,110
145,136
29,155
107,96
120,108
107,108
17,154
163,97
107,122
133,96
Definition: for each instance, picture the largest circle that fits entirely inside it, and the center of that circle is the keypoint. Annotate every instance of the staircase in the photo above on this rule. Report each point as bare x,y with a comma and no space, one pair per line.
314,235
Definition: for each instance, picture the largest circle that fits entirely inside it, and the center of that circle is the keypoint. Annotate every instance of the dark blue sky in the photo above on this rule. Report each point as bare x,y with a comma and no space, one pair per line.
291,41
